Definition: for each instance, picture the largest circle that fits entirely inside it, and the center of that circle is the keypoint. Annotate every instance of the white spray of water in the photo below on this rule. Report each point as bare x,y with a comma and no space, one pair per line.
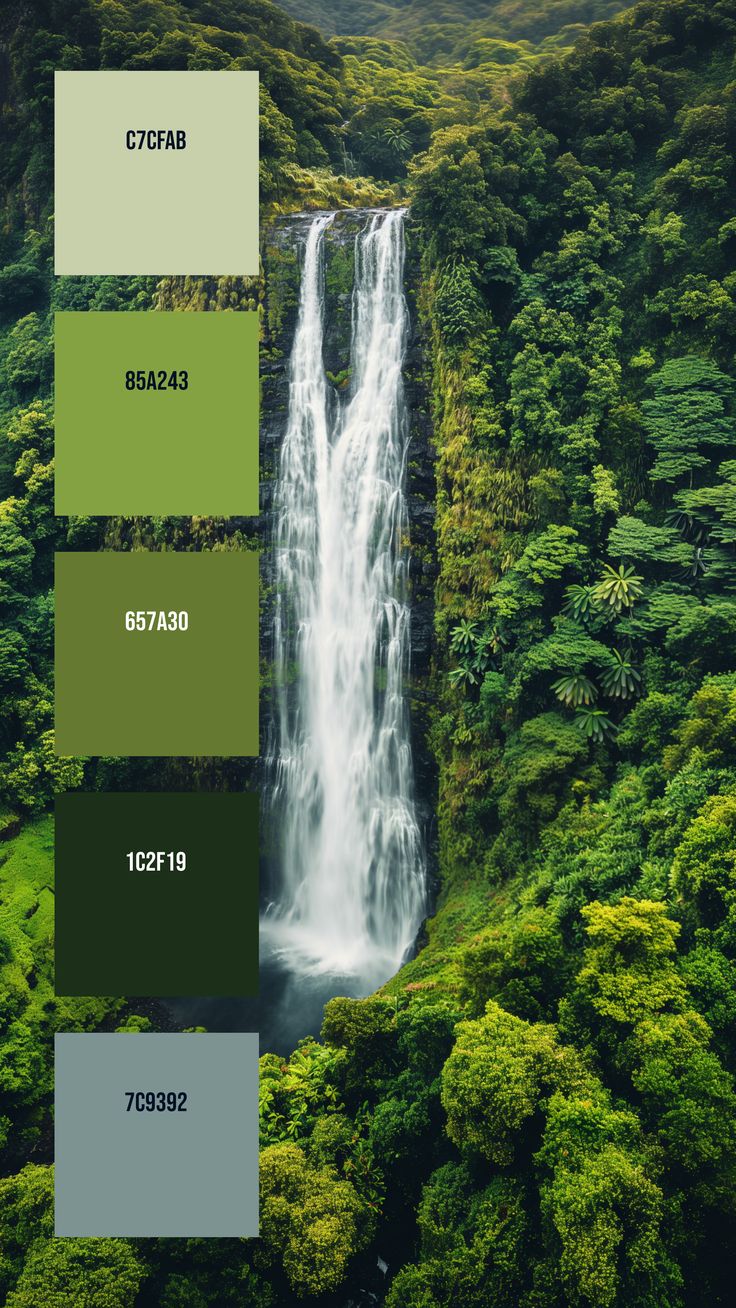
353,884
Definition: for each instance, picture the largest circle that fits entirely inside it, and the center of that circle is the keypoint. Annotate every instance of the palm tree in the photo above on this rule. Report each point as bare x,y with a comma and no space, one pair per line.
464,675
488,643
594,723
463,637
575,689
398,140
579,602
619,587
621,679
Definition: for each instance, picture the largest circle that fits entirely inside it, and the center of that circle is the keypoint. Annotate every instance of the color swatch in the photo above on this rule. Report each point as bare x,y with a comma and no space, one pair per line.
156,172
156,1135
156,894
156,414
157,653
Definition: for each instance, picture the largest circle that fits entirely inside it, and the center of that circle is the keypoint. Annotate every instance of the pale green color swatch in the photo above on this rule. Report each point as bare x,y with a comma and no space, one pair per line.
156,211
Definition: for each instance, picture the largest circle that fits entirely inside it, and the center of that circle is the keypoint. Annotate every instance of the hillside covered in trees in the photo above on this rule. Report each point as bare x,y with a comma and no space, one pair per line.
455,30
539,1109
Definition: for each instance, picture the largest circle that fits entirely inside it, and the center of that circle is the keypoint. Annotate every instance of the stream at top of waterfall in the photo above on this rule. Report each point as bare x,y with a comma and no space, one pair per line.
349,883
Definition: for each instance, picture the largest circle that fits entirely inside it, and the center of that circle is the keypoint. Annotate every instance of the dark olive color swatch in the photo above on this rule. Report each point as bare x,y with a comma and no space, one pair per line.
157,653
146,925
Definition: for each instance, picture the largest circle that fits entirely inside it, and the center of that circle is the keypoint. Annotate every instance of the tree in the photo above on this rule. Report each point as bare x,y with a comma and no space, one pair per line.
472,1244
312,1221
538,764
686,418
594,723
621,679
708,730
605,1208
628,973
86,1273
458,305
710,515
688,1097
575,689
643,542
26,1216
580,603
397,139
619,588
703,634
498,1073
704,870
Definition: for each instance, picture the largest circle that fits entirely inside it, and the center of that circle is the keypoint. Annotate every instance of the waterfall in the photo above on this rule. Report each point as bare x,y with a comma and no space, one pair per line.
351,892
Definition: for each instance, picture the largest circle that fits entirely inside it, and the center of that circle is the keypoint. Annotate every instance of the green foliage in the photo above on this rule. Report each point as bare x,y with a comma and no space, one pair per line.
575,690
29,1008
704,870
299,74
708,729
464,637
476,647
472,1243
539,764
26,1215
522,965
686,420
688,1098
643,542
496,1077
366,1030
292,1096
460,29
580,602
618,587
629,973
621,679
606,1210
91,1273
594,723
538,1109
458,303
21,284
311,1221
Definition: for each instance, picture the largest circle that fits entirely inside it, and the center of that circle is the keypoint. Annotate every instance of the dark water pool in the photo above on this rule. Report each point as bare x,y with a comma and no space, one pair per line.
289,1007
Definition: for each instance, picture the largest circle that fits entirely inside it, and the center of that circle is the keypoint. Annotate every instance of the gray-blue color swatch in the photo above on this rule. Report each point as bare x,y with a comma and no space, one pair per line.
123,1172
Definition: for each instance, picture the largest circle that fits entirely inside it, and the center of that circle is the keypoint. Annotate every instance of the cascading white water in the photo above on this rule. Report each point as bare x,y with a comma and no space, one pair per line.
352,874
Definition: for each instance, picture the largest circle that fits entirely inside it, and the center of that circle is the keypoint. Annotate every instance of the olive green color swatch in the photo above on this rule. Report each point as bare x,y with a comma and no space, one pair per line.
156,414
156,894
157,653
156,172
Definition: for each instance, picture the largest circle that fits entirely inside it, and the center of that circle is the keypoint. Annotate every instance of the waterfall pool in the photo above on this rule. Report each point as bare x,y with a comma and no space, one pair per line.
289,1007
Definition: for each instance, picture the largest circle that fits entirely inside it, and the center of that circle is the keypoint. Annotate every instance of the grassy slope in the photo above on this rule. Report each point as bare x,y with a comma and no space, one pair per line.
27,911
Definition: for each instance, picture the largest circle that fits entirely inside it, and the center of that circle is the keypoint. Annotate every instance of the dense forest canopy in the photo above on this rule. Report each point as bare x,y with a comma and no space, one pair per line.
454,30
539,1109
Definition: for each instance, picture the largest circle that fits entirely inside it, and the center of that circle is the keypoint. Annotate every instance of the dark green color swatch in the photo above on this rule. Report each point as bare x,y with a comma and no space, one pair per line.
156,894
156,413
157,691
